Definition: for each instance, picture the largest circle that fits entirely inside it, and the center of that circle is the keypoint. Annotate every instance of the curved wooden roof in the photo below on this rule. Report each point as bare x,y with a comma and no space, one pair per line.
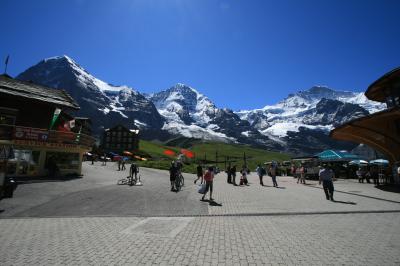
380,131
378,90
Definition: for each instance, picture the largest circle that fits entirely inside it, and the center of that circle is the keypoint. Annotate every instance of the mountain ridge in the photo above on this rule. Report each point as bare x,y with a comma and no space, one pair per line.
183,111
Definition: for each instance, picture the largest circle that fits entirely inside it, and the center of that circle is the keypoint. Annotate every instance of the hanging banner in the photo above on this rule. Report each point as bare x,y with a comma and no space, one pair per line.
57,112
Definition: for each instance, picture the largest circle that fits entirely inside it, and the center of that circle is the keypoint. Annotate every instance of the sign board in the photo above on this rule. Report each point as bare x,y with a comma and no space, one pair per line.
45,144
27,133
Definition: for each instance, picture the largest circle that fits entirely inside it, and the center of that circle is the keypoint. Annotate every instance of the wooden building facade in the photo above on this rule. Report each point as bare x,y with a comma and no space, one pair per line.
37,132
119,139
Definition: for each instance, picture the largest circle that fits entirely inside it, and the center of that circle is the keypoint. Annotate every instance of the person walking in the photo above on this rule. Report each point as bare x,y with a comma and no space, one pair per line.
272,172
260,172
209,177
326,176
293,171
233,174
360,175
302,177
243,178
199,170
229,175
119,165
133,170
123,165
173,171
104,159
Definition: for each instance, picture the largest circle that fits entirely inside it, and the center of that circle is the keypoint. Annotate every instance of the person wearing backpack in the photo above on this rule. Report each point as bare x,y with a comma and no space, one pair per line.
209,177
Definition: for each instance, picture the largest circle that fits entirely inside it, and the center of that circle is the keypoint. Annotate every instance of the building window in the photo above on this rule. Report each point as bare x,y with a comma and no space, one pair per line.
64,160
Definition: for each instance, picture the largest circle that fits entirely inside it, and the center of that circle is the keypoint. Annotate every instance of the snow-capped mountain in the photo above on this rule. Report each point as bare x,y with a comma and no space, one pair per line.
191,114
106,104
295,120
317,108
300,123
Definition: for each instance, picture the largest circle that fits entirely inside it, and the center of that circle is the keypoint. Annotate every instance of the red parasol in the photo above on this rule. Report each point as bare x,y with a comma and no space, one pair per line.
187,153
169,152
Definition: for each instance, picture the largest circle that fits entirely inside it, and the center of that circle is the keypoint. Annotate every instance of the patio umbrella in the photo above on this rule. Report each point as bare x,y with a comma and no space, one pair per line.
380,162
169,152
358,162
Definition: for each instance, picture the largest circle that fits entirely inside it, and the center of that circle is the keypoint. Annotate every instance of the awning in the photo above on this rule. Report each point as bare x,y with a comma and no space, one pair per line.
333,155
380,131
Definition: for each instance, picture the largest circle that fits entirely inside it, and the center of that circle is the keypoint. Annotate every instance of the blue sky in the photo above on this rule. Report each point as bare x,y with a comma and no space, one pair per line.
242,54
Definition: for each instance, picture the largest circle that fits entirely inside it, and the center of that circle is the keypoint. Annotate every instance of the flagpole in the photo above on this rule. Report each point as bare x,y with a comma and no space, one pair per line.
6,63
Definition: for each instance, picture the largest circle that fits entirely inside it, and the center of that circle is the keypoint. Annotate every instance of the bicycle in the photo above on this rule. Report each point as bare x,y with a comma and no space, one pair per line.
130,180
179,182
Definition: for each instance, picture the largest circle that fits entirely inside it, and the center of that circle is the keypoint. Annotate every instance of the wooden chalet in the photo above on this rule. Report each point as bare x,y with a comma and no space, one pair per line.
36,129
119,139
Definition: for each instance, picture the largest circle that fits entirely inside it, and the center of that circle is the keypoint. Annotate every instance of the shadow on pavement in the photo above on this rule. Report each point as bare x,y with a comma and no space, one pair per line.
213,203
345,202
389,188
281,187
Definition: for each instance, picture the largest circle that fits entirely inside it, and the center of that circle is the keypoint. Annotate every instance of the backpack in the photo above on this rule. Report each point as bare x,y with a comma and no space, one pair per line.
263,172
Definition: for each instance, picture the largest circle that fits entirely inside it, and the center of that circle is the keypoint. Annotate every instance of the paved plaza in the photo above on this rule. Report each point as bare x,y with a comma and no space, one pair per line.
94,221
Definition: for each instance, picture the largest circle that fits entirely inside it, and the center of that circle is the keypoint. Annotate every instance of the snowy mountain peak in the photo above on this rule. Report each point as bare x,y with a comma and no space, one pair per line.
105,103
65,64
318,89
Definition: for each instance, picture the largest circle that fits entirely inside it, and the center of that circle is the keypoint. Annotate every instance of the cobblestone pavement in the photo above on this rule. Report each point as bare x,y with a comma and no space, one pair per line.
97,194
334,239
93,221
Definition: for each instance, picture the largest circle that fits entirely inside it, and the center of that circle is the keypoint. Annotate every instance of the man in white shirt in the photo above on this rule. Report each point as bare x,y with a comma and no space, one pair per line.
326,176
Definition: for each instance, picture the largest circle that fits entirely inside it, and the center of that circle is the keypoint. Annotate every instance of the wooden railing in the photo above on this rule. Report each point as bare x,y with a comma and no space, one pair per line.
11,132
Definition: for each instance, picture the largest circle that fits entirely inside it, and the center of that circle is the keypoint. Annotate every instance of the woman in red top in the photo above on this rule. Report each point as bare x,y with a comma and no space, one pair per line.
208,177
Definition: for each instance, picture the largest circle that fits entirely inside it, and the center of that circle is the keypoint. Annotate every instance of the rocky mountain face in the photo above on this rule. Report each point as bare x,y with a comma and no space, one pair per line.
193,115
106,105
298,124
302,121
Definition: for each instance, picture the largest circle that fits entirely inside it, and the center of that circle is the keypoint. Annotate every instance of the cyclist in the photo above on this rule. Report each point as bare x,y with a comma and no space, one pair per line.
134,170
173,171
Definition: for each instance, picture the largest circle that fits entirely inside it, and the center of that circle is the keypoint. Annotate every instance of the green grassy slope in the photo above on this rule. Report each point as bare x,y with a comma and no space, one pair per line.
208,151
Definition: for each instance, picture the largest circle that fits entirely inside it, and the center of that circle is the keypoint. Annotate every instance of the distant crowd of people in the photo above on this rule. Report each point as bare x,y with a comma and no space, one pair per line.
205,175
326,177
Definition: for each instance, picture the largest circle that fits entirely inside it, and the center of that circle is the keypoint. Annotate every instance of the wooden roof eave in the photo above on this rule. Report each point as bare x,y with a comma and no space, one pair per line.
376,91
54,102
357,131
360,137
